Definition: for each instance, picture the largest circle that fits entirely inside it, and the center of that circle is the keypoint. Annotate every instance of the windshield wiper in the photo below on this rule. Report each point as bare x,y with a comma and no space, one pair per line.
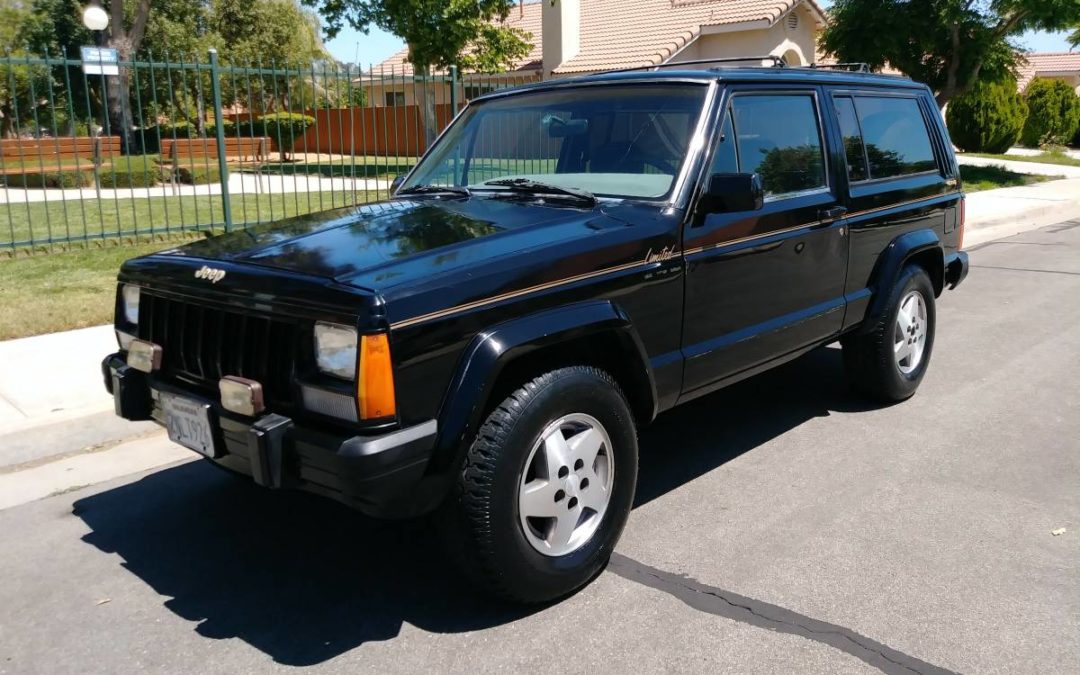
436,190
535,187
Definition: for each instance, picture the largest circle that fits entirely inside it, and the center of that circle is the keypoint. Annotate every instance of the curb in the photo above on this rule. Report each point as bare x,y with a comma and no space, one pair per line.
982,231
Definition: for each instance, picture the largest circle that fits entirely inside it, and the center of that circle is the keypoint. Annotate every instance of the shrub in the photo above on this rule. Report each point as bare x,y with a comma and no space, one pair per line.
284,128
57,178
988,118
131,176
1055,113
197,175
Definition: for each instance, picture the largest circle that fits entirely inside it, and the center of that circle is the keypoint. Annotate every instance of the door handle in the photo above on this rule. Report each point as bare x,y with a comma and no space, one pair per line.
832,213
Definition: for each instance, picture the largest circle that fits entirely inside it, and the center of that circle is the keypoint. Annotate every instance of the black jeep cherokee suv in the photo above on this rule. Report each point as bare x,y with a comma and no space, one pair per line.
566,262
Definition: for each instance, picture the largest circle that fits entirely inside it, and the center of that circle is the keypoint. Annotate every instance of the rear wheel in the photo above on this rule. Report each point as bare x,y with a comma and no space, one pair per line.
889,361
547,486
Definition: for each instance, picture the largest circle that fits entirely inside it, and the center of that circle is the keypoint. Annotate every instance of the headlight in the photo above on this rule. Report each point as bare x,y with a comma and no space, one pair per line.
335,349
131,303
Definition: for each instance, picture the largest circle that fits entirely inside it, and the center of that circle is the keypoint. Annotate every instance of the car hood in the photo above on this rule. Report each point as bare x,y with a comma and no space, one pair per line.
387,243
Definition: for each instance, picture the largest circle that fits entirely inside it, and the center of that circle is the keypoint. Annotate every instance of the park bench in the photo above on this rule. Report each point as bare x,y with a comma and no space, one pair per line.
183,150
31,155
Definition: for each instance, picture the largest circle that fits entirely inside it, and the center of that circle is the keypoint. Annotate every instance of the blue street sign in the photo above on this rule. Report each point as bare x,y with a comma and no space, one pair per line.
100,61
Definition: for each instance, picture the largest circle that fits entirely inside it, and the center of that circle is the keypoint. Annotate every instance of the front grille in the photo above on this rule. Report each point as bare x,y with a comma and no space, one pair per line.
202,344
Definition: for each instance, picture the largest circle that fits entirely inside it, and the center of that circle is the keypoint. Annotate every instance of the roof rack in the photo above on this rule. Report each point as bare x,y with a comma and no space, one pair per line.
854,67
777,62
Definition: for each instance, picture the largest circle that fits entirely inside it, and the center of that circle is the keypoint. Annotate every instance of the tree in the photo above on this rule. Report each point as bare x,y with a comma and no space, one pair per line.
988,117
948,44
1055,113
439,34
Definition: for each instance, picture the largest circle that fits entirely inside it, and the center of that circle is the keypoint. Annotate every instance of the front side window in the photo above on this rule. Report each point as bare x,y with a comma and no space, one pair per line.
611,140
894,131
778,137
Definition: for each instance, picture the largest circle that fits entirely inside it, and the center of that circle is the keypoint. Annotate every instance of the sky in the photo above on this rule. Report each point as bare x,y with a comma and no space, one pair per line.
351,46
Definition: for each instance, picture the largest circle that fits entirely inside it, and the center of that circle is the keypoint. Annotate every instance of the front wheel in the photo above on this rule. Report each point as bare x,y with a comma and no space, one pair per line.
547,486
888,361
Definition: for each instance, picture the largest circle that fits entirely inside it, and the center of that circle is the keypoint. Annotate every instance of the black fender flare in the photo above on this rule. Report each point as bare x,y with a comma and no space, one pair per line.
493,349
896,255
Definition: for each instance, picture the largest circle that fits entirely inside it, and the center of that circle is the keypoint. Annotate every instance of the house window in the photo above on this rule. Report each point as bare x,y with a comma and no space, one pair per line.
895,135
778,137
395,98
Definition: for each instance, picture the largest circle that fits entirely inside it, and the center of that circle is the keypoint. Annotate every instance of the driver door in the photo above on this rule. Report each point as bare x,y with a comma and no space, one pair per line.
767,283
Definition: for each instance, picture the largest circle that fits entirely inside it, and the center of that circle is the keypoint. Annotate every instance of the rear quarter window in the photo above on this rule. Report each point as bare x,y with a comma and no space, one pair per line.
895,136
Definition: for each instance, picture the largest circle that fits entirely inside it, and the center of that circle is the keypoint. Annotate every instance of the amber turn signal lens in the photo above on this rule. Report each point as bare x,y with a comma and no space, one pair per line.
375,386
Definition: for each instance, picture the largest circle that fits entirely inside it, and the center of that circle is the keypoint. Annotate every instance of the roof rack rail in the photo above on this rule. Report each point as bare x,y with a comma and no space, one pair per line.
854,67
777,62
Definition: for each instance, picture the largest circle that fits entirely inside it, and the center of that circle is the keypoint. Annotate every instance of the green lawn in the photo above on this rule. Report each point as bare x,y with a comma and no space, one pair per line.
1044,158
73,289
65,289
991,177
104,218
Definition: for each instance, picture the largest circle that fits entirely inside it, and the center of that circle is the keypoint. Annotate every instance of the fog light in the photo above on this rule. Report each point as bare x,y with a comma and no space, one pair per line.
329,403
144,356
241,395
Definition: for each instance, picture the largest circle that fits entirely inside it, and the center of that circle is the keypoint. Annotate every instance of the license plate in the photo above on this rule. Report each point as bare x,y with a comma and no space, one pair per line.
188,423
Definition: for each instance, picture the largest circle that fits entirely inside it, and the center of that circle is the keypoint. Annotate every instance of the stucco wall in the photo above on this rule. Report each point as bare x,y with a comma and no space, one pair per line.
779,40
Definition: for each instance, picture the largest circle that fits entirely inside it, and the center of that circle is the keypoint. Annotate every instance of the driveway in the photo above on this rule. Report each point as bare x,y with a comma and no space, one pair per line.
782,525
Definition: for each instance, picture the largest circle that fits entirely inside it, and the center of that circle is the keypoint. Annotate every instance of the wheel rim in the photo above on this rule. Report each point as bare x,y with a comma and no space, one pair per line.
566,486
909,334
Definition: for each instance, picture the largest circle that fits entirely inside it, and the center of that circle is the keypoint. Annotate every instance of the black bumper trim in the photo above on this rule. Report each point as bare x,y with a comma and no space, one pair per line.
377,474
956,269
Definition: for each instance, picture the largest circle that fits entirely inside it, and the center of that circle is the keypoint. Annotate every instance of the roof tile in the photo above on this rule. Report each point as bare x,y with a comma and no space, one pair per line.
631,33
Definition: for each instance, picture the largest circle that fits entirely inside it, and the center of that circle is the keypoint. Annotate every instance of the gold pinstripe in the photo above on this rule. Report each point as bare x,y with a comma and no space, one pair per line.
405,323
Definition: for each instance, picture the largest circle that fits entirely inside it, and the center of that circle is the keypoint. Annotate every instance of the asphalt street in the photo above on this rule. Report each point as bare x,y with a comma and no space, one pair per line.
782,525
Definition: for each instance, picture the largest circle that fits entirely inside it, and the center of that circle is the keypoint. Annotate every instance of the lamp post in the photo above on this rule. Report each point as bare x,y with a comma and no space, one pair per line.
96,20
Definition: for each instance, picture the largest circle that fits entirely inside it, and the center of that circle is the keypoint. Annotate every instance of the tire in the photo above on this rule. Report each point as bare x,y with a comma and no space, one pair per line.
528,558
870,357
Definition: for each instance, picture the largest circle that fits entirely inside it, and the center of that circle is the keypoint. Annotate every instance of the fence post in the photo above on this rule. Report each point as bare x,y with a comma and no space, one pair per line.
453,91
219,128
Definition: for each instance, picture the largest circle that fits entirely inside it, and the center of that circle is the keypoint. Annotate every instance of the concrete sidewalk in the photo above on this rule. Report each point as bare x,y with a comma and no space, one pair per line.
51,388
1034,168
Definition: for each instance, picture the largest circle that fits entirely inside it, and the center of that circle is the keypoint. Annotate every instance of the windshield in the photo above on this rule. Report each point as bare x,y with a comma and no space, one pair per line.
611,140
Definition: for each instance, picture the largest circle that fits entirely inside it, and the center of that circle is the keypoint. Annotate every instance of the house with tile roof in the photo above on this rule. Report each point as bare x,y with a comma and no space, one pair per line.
1063,66
577,37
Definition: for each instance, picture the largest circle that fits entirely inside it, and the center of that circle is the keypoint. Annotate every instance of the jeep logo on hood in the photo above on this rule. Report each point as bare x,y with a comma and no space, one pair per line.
211,274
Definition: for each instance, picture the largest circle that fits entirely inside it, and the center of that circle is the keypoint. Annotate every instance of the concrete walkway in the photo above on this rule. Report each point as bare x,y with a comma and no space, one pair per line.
239,183
1034,168
1029,152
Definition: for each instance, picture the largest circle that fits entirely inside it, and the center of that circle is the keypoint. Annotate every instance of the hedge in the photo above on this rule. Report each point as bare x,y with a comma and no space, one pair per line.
197,175
59,178
987,118
283,128
131,177
1055,113
150,137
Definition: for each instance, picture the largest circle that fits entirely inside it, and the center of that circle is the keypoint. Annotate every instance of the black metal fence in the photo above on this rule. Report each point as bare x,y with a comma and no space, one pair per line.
180,144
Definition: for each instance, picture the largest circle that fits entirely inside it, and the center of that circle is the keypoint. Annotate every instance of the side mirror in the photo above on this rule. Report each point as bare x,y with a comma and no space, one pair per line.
396,183
732,192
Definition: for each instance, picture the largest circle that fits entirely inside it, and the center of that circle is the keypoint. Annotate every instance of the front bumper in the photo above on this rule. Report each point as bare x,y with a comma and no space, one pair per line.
381,475
956,269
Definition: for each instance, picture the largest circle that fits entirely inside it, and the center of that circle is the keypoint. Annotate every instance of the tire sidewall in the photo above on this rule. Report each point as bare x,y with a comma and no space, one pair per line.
912,278
570,392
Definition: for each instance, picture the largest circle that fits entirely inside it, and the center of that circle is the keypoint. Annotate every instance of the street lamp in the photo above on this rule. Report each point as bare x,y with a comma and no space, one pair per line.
94,17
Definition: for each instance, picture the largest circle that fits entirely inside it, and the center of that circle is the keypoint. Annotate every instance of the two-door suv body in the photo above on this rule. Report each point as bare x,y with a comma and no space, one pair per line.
567,261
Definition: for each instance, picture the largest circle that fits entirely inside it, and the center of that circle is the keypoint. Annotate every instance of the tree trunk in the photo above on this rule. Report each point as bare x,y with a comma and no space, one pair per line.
426,100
